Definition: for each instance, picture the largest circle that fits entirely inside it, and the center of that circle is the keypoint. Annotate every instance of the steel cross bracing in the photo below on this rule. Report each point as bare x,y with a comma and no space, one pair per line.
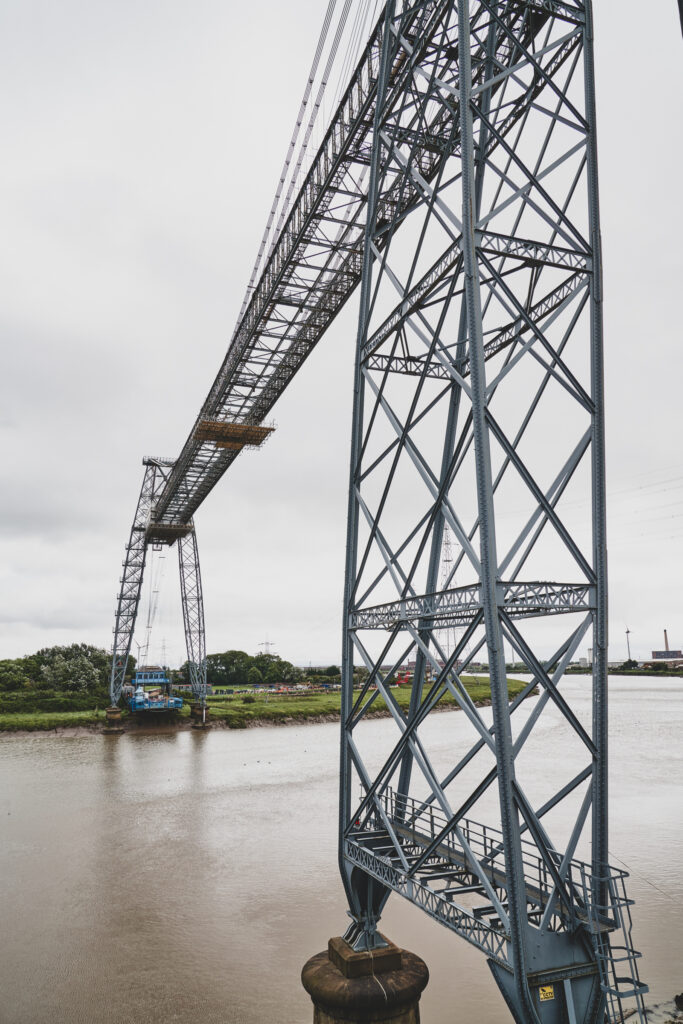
478,405
143,533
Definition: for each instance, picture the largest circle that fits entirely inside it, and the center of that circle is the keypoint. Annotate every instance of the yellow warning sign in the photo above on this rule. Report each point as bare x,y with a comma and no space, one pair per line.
546,992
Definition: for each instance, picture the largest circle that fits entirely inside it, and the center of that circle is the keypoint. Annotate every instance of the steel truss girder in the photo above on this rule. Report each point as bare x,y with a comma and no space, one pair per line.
320,250
147,531
336,178
462,604
476,339
318,253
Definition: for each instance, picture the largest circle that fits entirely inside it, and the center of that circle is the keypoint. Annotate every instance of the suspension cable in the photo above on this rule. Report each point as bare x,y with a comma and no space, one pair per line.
292,145
311,123
290,176
155,578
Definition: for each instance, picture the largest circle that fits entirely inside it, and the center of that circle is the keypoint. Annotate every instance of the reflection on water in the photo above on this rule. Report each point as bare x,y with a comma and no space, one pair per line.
186,877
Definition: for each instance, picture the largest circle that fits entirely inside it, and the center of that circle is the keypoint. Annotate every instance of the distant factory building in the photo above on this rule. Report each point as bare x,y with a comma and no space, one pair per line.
667,657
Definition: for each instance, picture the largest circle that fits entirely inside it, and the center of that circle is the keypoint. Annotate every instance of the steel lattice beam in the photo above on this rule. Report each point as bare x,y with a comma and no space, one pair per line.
315,266
463,604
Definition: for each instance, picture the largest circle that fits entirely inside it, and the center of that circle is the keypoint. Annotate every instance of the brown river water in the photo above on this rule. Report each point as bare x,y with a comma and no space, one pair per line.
186,877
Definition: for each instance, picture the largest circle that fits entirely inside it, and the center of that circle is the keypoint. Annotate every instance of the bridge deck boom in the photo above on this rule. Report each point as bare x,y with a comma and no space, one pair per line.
316,262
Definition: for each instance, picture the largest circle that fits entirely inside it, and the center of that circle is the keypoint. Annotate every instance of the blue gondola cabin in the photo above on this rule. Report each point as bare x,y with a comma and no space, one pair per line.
151,691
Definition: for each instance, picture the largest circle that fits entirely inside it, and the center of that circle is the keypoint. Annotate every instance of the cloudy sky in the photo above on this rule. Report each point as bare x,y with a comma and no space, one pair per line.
142,143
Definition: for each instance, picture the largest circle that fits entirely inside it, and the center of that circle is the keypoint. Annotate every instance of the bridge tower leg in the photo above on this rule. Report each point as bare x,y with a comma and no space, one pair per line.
145,531
133,573
478,402
193,616
366,895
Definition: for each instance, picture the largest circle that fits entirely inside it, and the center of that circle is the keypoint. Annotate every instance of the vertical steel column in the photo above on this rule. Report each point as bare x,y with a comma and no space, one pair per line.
600,854
357,894
193,613
450,434
490,581
133,572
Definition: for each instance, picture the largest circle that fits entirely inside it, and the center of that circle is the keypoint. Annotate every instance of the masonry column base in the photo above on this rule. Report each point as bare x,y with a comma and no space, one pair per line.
379,987
113,724
199,721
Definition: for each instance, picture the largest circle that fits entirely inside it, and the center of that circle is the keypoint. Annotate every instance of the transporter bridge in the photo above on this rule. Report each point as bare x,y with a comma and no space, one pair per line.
457,185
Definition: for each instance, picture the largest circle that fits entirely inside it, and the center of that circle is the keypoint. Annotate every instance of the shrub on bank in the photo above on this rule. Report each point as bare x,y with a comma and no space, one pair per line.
39,722
32,701
55,679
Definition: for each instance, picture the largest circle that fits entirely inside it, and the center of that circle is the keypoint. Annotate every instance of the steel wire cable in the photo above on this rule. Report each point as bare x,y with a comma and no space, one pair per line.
639,874
292,146
150,591
155,579
359,32
345,60
650,489
294,179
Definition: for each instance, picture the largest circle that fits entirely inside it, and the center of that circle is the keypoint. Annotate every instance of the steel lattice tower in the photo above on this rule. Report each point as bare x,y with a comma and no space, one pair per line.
145,531
457,184
478,404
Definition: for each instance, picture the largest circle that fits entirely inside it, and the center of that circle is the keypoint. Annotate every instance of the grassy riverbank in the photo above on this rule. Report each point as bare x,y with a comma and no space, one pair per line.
244,710
46,721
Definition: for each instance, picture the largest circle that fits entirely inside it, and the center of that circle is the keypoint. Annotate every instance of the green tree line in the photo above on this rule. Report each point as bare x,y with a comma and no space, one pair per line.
237,669
72,678
76,677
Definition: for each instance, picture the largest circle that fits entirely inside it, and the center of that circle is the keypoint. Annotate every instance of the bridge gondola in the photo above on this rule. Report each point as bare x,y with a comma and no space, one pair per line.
158,698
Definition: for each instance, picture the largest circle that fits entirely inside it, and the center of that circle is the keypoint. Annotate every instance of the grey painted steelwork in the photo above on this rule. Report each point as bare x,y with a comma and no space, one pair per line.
478,405
522,600
457,183
146,531
315,266
193,613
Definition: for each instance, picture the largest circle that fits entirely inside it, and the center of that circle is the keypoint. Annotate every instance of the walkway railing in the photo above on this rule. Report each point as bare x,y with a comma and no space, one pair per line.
409,845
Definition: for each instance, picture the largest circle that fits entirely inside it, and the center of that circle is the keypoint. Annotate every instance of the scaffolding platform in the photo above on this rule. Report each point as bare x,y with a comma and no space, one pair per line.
231,435
166,533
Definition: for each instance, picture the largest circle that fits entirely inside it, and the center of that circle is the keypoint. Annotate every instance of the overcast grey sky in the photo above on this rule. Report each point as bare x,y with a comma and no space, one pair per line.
142,144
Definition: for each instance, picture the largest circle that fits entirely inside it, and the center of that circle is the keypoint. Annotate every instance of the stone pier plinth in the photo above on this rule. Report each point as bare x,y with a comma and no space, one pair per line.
382,986
199,721
113,724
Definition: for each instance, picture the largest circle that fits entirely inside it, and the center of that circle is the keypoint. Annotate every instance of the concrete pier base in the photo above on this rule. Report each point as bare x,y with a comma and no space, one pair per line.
113,724
199,721
379,987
